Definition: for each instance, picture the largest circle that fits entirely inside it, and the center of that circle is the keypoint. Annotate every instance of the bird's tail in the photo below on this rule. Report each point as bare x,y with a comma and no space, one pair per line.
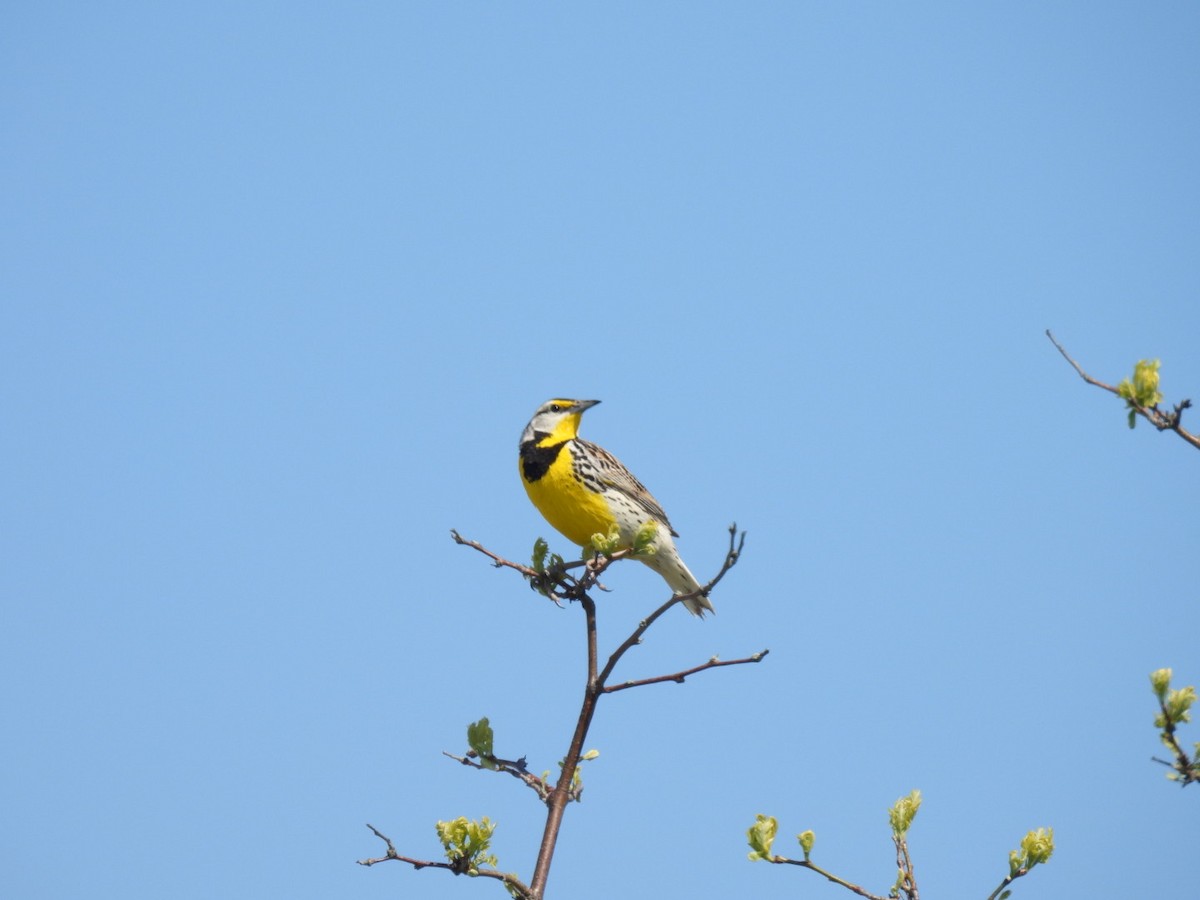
666,562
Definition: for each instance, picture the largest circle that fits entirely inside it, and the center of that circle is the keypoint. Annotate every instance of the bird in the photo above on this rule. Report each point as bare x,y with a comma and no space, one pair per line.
582,490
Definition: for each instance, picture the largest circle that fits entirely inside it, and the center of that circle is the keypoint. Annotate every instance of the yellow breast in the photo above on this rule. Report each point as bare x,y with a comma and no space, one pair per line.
571,508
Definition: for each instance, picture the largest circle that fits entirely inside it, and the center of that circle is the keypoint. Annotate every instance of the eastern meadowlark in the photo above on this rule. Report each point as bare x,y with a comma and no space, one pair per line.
583,490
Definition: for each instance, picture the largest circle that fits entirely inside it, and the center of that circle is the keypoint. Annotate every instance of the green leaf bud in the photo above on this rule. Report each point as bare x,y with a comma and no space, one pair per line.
1015,862
901,815
540,549
1178,704
1145,382
604,544
1142,389
644,542
1160,680
806,839
1038,846
761,836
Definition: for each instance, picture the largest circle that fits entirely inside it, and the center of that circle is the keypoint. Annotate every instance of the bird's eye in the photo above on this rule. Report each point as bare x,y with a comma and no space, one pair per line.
554,407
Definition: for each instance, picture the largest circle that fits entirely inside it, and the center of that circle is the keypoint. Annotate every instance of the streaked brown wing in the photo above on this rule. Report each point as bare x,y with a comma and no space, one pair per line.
619,478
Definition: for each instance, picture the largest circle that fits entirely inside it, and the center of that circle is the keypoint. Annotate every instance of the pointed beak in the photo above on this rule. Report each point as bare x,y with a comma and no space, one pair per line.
581,405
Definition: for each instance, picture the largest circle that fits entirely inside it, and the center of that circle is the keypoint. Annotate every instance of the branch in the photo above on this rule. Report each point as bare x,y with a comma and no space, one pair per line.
510,880
557,582
805,864
732,555
562,793
1163,421
1082,374
497,561
679,677
554,582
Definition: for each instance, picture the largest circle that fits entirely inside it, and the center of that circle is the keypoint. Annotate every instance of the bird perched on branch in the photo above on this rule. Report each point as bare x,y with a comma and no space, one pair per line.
587,495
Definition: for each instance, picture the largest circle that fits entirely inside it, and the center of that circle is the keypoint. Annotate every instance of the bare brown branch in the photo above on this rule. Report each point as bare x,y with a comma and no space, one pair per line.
595,688
908,884
1160,419
679,677
498,561
732,555
561,582
805,864
1082,374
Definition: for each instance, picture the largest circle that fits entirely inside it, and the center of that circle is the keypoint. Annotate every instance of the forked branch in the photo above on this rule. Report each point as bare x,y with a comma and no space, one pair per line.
572,581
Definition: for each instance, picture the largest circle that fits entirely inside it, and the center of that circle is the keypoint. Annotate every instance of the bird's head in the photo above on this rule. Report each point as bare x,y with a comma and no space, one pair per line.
556,421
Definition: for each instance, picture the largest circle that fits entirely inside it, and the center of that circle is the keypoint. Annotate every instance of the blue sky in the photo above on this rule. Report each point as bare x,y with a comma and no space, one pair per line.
283,283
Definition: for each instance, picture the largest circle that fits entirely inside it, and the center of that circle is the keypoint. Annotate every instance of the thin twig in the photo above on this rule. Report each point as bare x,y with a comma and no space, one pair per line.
557,583
498,561
805,864
1163,421
732,555
595,688
1082,374
679,677
731,558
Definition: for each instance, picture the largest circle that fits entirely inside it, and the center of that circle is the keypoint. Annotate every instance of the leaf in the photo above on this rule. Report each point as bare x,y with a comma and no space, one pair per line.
540,549
479,738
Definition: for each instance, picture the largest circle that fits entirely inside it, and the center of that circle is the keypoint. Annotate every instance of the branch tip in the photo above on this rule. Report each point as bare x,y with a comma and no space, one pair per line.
1163,421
